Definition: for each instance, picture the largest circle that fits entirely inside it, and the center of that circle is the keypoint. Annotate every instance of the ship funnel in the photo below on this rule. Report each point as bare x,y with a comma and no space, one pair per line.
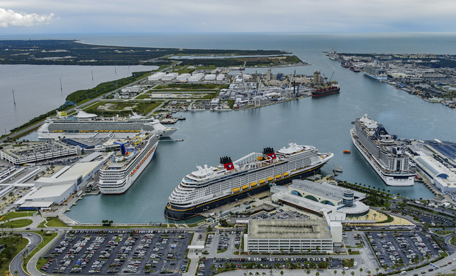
123,149
227,163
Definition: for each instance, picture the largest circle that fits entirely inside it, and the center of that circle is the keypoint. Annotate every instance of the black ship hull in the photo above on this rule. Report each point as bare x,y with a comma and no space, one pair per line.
181,213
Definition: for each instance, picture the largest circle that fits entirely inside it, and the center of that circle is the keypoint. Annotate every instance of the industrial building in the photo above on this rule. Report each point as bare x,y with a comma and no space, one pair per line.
58,187
443,177
318,198
277,236
32,152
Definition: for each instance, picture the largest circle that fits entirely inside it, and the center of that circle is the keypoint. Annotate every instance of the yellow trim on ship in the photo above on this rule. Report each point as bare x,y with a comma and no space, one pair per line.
205,203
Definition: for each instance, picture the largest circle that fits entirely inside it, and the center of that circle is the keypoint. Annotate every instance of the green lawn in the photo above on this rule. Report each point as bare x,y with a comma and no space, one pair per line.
16,223
52,222
19,214
16,244
145,95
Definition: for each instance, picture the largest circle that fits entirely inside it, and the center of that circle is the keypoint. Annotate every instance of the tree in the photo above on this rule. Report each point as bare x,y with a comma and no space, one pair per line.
343,272
353,273
360,270
281,272
335,271
317,273
308,271
377,269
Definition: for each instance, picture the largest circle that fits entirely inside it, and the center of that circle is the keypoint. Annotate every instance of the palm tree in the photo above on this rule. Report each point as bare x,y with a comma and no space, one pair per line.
343,272
317,273
308,271
360,270
257,273
281,272
335,271
377,269
369,272
353,273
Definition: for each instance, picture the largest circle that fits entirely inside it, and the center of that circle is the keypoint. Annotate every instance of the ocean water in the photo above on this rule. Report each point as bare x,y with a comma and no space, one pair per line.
323,123
37,88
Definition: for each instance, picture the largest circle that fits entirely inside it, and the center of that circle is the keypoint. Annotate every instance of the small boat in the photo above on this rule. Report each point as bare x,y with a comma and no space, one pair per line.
347,151
181,118
339,169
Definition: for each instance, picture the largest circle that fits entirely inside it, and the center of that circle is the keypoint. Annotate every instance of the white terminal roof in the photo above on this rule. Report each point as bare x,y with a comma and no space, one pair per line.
289,229
50,191
80,169
324,189
37,204
90,157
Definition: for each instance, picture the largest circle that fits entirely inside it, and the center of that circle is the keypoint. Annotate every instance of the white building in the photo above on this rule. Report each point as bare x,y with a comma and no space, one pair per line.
61,185
183,77
210,77
196,77
284,236
442,177
156,76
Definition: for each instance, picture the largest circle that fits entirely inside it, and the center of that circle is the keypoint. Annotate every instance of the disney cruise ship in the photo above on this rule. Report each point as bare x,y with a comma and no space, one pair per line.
210,187
86,125
119,173
383,152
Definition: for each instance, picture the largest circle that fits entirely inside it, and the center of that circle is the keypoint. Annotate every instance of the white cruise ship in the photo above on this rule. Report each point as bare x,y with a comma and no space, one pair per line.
119,173
210,187
383,152
86,125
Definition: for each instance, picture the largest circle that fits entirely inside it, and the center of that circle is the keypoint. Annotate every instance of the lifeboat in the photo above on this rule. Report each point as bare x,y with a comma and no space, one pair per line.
262,181
235,190
245,187
346,151
285,174
253,184
270,178
278,176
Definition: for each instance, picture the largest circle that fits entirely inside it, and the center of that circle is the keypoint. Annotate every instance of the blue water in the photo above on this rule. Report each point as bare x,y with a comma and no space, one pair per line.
323,122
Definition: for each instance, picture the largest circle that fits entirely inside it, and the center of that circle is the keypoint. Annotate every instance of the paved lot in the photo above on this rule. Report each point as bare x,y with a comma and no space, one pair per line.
135,252
394,249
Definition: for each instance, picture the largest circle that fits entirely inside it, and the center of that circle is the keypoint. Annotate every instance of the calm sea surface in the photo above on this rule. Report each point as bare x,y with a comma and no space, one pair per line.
323,123
37,88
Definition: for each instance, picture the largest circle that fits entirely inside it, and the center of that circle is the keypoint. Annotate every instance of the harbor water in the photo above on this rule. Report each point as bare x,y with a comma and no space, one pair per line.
323,123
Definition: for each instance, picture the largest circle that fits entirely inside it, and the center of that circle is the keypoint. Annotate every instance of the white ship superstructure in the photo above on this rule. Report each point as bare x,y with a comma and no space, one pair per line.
383,152
125,166
85,125
209,187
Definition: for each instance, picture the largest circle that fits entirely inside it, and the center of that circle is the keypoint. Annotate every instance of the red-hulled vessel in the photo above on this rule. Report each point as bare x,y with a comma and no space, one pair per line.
326,90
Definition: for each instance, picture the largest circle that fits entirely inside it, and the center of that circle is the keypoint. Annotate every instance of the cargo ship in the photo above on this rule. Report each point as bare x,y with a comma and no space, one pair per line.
125,166
383,152
86,125
211,187
327,89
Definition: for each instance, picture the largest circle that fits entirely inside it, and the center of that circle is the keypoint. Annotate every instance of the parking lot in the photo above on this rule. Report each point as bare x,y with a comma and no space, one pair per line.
118,251
402,248
281,214
432,219
207,265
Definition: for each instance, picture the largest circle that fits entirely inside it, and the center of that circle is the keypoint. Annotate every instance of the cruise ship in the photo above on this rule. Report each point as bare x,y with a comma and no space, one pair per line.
122,170
210,187
383,152
375,72
86,125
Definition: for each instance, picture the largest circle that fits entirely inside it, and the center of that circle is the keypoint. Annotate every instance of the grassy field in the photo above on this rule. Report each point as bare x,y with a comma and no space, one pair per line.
7,256
19,214
52,222
16,223
140,107
143,96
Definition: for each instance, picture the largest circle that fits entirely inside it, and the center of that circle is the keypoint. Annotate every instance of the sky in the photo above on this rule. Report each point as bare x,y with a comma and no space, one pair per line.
302,16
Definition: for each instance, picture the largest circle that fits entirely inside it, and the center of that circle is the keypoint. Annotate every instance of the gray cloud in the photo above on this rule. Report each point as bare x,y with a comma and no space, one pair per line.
12,18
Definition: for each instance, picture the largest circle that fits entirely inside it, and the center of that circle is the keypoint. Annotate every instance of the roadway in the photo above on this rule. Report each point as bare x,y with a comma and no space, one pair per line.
16,263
